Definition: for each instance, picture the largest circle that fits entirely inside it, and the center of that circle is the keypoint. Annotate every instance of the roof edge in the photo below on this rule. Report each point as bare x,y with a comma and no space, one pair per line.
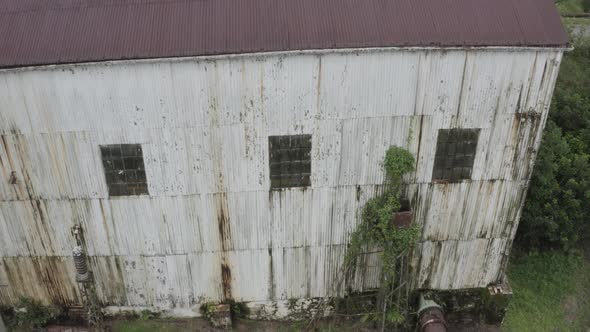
563,48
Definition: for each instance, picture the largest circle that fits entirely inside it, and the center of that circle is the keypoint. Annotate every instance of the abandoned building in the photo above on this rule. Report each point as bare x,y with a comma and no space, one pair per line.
215,150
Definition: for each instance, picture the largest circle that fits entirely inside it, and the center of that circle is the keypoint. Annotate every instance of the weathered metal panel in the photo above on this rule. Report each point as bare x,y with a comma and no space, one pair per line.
49,279
467,210
475,263
211,228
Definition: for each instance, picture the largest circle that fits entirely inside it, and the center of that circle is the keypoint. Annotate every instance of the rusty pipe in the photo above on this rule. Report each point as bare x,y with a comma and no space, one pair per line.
431,316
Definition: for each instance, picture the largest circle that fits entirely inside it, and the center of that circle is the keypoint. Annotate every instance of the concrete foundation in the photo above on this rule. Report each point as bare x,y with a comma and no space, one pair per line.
478,305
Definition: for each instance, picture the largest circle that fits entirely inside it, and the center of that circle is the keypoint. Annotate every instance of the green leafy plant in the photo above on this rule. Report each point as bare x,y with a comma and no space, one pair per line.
8,314
394,316
376,228
207,309
239,309
147,315
30,312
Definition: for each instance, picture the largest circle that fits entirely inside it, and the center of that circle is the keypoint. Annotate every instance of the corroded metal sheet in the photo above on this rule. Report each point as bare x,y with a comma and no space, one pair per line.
211,229
460,264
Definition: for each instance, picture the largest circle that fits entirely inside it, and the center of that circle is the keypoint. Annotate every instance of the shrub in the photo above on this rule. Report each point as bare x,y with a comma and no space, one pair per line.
30,312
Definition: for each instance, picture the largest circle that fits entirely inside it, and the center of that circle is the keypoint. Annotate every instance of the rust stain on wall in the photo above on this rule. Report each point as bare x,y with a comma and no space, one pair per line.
226,281
224,229
25,275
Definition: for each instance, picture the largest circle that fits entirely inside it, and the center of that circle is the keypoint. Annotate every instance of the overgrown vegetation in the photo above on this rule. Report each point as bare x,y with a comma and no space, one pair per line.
573,6
557,211
30,313
239,310
207,309
147,315
551,293
376,230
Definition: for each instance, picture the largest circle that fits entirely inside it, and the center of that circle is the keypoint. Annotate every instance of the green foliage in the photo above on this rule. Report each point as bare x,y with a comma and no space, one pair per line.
207,309
551,293
376,229
147,315
571,6
397,162
394,316
7,313
557,212
239,309
32,313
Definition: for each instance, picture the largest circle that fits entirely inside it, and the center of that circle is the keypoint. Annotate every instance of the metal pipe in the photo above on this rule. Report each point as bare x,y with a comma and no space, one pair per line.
431,317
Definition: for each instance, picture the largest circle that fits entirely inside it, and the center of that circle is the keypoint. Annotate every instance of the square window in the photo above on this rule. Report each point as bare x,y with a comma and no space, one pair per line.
290,161
455,154
124,170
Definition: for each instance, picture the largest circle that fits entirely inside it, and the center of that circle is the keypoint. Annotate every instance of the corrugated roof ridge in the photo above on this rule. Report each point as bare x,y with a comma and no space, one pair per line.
514,10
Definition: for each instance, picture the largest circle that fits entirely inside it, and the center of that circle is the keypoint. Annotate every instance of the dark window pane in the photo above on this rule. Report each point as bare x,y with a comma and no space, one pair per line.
286,155
451,149
443,136
132,177
305,181
456,174
284,142
455,154
275,168
130,162
290,161
131,150
285,169
306,166
124,169
116,151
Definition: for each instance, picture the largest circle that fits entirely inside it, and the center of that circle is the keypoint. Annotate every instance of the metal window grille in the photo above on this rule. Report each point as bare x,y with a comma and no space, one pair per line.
455,153
290,161
124,169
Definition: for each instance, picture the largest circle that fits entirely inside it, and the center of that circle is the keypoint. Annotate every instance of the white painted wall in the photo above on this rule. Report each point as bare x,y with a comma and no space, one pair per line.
204,124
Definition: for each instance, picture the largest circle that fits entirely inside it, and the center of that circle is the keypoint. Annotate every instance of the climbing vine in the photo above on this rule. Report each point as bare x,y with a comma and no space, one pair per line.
376,229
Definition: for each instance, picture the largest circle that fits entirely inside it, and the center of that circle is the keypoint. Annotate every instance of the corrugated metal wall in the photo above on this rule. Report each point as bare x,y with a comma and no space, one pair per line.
204,126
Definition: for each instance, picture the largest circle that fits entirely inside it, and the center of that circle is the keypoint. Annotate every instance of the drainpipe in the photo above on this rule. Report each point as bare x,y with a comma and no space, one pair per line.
431,317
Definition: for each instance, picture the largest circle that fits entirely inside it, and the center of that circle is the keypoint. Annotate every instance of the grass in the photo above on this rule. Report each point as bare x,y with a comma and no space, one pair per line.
551,293
144,326
241,325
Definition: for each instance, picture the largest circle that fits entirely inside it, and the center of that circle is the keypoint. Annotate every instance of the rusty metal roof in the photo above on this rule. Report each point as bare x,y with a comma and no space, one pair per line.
36,32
